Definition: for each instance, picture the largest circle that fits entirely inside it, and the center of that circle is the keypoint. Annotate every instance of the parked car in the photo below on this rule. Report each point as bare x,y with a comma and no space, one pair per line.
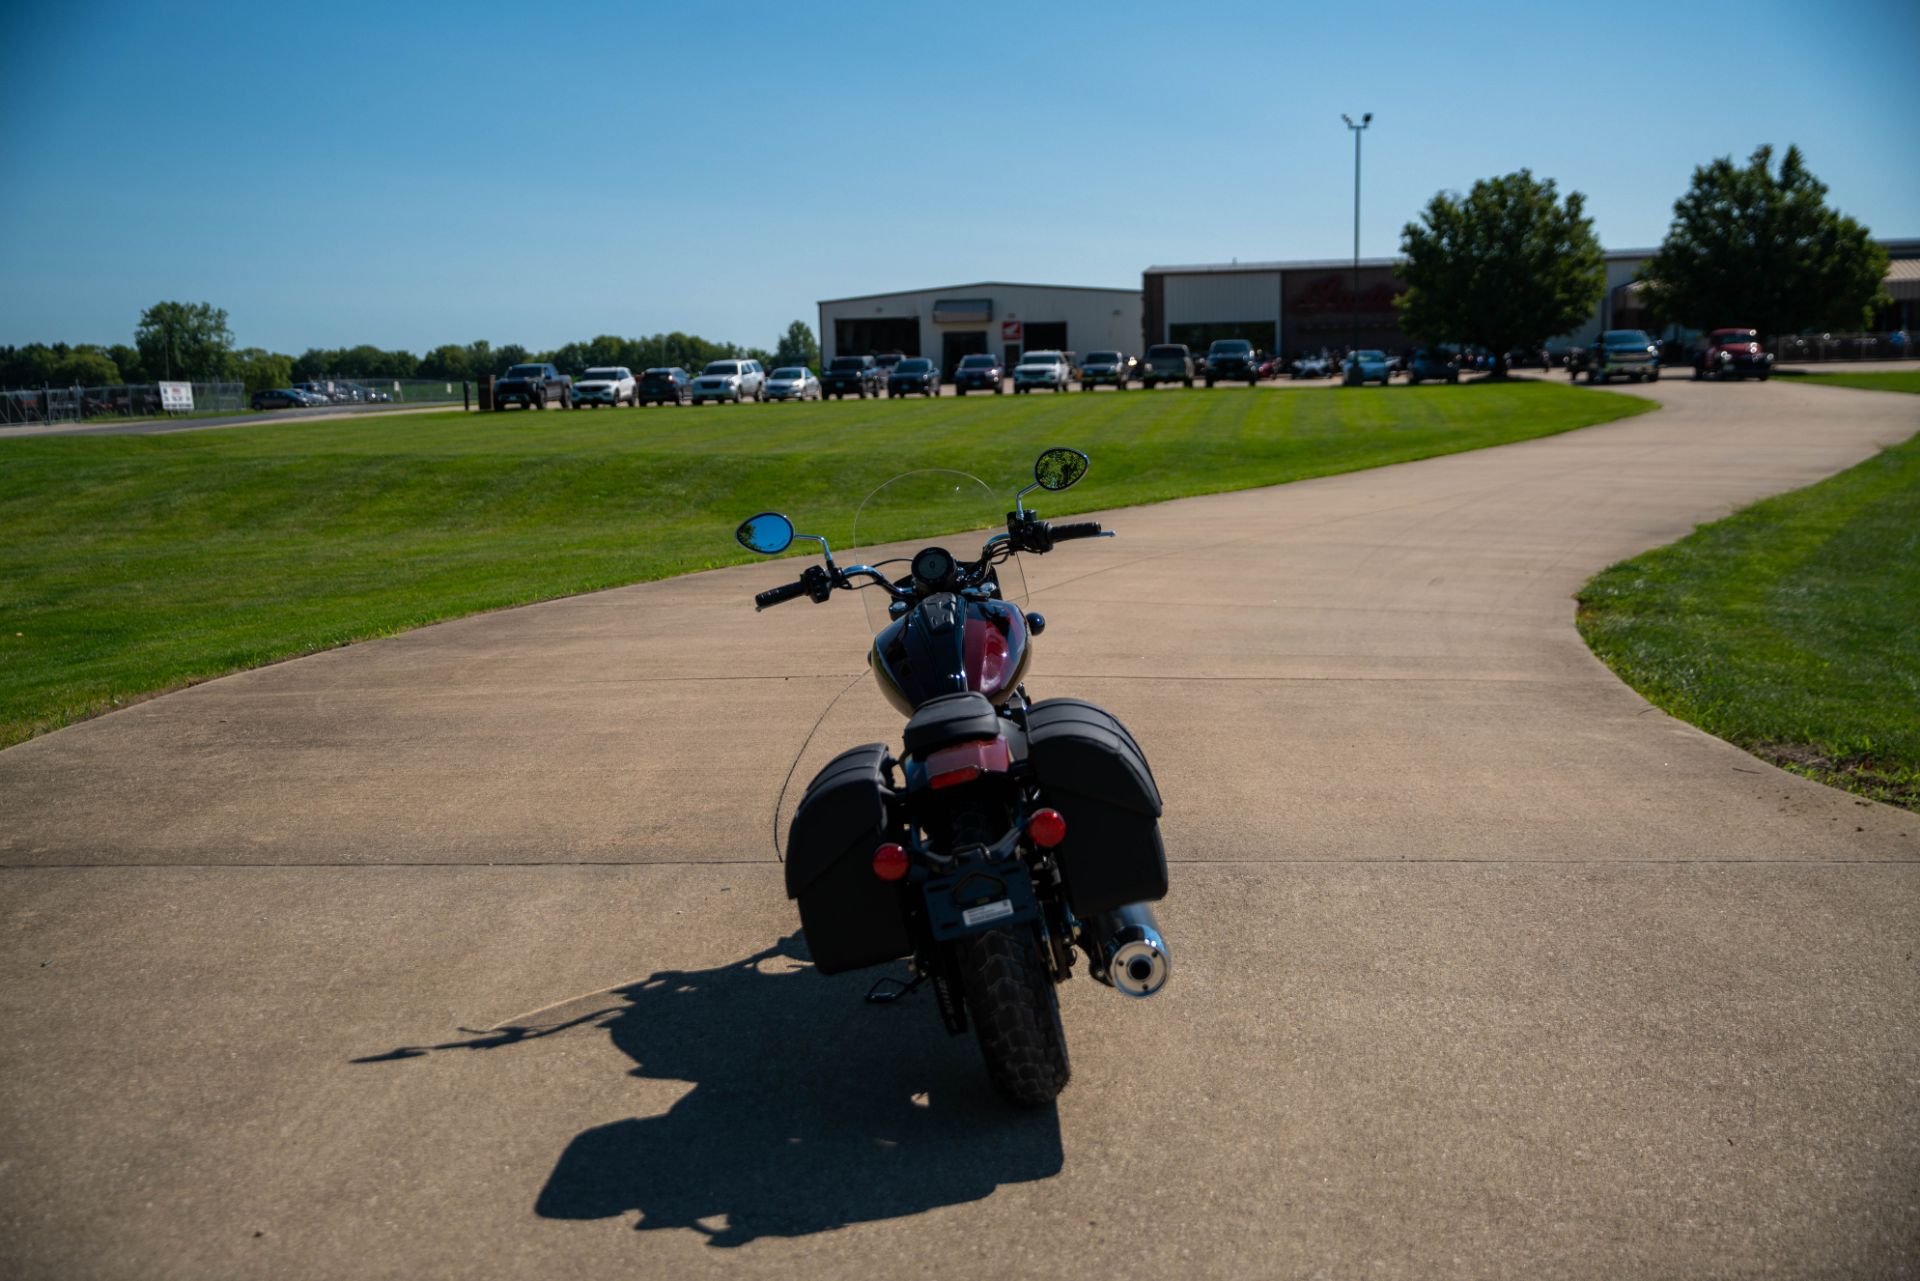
535,386
610,386
284,398
1624,353
1231,359
667,385
916,375
1733,353
887,360
734,380
793,382
1105,369
979,373
1433,364
319,393
1167,363
1366,366
1048,369
852,376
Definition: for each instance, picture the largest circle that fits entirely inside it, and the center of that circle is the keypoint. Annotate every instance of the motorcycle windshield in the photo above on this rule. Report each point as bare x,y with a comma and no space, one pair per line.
893,520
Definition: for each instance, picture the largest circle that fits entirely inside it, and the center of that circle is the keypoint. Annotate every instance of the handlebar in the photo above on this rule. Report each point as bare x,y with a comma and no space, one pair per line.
779,595
1030,535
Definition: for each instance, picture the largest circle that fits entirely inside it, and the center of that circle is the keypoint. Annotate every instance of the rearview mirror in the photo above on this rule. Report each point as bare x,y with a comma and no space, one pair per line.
1059,469
769,533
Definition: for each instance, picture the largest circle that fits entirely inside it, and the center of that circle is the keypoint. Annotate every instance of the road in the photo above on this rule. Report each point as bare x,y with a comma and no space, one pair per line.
465,953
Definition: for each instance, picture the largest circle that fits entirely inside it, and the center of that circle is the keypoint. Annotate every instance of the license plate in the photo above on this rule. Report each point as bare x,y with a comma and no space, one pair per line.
987,912
981,898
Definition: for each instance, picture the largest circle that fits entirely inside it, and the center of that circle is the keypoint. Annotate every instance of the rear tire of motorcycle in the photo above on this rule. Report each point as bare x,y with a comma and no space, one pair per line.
1016,1015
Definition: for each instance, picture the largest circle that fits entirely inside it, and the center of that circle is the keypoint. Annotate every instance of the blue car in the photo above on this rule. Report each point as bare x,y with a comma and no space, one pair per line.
1365,367
1433,364
284,398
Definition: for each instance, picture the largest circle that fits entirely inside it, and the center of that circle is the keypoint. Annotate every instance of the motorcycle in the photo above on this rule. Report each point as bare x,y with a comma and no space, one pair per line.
1007,835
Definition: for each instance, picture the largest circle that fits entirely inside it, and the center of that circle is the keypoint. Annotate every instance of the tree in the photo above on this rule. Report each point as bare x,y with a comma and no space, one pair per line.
263,370
184,341
127,359
1507,264
1753,249
84,367
798,347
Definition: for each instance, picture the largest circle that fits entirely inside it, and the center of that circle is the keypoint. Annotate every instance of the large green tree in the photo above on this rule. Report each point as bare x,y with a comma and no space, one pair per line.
262,370
184,341
1509,263
85,367
1752,247
798,346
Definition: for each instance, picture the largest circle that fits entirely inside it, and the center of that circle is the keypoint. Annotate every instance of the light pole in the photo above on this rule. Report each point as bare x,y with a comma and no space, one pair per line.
1358,129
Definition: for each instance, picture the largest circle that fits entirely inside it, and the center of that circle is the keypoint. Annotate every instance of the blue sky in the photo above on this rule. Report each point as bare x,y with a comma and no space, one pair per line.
412,174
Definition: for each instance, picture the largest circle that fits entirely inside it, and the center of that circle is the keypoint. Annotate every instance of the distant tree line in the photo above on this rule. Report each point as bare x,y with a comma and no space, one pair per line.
191,342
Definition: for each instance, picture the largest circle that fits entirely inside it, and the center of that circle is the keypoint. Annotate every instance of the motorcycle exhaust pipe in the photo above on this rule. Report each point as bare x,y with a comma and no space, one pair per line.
1128,953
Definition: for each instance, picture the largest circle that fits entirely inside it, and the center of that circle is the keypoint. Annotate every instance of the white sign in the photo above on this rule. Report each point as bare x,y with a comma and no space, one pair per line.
176,397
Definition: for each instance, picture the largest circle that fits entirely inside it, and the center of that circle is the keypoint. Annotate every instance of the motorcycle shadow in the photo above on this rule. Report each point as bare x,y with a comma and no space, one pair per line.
809,1111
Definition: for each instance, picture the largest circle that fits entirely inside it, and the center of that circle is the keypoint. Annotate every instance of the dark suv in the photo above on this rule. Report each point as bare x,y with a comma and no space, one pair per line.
979,373
672,386
852,376
1232,358
1110,367
916,375
1167,363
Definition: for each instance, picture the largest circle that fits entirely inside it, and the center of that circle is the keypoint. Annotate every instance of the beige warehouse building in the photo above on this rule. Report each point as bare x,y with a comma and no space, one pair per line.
996,317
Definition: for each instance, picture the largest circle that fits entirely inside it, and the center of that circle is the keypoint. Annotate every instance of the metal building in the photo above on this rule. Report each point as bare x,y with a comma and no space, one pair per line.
998,317
1298,307
1305,306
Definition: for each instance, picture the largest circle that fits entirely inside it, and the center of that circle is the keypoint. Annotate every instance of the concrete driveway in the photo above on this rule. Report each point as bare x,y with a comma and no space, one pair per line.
464,953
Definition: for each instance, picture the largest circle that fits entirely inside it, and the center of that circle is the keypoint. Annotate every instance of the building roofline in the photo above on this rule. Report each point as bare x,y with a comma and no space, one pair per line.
1328,264
1905,245
979,284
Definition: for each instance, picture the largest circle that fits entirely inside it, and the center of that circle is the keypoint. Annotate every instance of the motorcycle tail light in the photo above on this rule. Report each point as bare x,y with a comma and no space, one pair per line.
965,762
1047,828
889,862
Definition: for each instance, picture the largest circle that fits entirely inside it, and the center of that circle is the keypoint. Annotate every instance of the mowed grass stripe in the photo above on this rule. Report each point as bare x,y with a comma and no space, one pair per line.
135,564
1791,628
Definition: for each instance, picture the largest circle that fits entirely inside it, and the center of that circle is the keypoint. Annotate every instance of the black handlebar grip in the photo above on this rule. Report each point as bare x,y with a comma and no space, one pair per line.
779,595
1079,529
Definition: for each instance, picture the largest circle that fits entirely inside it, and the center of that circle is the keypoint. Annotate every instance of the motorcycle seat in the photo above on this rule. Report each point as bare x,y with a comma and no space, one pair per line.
951,718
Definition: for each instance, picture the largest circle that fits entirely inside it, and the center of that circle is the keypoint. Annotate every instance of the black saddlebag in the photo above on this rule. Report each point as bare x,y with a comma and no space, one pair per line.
852,918
1092,771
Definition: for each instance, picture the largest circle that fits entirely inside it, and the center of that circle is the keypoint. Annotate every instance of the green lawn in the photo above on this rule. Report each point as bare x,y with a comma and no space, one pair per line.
134,564
1907,380
1791,628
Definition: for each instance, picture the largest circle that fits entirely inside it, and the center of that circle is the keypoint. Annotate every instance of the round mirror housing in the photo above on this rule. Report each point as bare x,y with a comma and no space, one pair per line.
1059,469
769,533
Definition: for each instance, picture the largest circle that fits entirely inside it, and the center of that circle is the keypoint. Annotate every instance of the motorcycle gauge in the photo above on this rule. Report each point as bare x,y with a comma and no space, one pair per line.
933,568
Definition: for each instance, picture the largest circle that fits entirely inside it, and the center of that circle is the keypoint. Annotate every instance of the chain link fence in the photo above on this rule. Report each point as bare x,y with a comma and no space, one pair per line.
130,402
1809,348
124,401
387,391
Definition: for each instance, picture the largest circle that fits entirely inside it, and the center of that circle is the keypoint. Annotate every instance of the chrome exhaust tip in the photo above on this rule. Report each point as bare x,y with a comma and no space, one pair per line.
1132,958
